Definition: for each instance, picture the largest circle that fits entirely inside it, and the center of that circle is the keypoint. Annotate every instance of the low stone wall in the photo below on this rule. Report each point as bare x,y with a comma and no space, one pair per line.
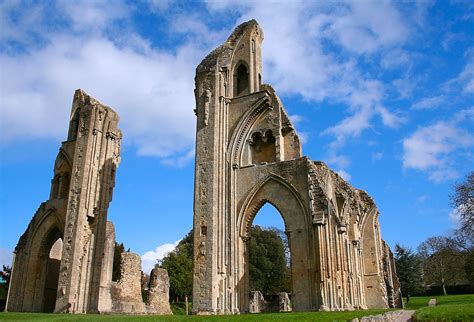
278,303
126,293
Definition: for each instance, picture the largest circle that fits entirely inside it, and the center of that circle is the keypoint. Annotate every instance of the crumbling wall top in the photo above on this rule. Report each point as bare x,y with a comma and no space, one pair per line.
225,50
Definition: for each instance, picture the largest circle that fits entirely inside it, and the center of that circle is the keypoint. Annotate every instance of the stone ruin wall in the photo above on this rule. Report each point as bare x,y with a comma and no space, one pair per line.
247,154
64,260
127,291
158,301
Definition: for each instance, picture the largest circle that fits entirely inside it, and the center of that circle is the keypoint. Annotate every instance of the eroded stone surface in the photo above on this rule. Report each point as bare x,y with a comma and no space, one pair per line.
127,293
158,292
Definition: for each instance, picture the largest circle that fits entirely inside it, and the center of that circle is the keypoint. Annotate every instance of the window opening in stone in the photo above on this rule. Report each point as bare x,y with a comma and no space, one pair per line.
269,263
52,276
241,80
73,127
263,147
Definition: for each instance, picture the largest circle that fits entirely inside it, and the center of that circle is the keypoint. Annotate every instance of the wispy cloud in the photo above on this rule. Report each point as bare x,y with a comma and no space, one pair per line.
429,103
151,88
6,257
431,148
344,174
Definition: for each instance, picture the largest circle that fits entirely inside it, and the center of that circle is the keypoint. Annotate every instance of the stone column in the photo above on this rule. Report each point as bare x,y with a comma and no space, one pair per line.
105,299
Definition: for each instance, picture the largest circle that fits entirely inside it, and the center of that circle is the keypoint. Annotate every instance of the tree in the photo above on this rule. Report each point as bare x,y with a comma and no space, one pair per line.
443,263
179,264
118,250
5,275
267,264
409,270
463,202
465,244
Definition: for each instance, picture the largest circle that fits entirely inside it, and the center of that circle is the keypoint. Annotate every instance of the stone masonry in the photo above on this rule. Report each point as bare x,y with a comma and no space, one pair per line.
64,260
247,154
127,292
76,214
158,292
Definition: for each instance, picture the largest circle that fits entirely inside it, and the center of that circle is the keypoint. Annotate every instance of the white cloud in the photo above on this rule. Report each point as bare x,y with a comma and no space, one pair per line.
405,86
6,257
465,79
346,176
377,156
304,137
150,258
150,88
152,91
295,119
429,103
338,160
432,148
395,58
455,218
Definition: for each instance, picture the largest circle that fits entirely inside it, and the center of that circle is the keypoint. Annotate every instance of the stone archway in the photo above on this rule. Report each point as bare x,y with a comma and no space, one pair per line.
33,270
248,153
277,192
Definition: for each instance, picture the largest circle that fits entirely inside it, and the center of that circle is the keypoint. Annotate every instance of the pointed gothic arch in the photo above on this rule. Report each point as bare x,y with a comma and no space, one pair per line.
279,193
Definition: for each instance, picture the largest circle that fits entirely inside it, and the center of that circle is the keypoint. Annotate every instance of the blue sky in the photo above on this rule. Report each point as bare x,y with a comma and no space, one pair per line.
383,92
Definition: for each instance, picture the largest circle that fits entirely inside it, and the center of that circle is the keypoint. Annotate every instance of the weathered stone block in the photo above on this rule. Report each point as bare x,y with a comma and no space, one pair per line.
158,292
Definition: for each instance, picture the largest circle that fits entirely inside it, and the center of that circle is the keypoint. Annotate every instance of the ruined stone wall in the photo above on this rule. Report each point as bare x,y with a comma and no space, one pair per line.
248,154
126,293
158,292
81,189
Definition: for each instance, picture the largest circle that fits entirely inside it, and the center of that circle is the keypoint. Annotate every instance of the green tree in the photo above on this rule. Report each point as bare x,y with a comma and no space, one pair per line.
5,275
179,264
463,202
267,264
118,250
443,262
409,270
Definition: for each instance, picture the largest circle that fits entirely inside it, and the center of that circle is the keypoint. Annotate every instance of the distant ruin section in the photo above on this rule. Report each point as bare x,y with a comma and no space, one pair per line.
247,154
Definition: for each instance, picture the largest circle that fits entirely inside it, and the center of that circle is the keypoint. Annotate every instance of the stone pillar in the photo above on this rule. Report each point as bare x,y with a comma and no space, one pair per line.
105,299
284,302
257,302
158,292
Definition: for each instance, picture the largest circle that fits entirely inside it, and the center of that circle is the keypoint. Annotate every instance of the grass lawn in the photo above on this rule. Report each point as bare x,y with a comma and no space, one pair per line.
448,307
303,316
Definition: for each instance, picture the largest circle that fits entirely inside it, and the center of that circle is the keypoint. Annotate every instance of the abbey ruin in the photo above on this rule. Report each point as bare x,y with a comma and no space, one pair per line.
247,154
63,261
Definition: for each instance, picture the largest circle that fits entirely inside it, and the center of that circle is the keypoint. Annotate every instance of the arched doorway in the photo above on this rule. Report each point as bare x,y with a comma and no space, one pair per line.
52,275
269,262
277,192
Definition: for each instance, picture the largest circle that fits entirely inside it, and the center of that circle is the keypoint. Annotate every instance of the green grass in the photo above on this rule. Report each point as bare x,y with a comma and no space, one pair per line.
448,308
300,316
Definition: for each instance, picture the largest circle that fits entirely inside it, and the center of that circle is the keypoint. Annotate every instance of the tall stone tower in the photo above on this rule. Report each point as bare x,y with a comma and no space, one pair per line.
248,154
63,261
